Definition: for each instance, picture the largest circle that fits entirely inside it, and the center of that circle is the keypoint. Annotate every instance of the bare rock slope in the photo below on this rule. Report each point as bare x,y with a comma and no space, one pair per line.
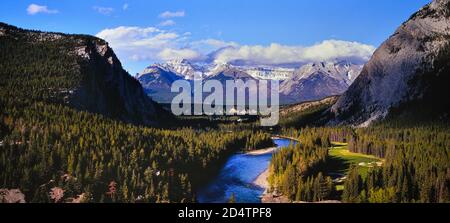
411,68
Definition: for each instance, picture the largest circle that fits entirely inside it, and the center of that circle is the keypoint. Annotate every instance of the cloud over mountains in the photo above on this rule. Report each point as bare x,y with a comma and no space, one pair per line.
328,50
155,44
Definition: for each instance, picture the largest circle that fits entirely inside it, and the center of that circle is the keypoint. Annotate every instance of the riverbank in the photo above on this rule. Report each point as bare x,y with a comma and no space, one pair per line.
261,151
267,197
285,137
262,180
238,174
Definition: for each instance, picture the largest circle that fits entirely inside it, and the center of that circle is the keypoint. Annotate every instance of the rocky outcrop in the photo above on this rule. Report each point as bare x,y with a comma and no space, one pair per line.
410,69
11,196
108,89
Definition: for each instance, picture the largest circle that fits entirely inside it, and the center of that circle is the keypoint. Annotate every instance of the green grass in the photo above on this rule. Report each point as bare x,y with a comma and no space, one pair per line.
341,159
339,152
339,187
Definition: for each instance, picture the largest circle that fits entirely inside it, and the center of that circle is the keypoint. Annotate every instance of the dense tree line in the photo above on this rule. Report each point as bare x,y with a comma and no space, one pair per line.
45,142
258,139
331,134
416,164
300,119
295,171
416,167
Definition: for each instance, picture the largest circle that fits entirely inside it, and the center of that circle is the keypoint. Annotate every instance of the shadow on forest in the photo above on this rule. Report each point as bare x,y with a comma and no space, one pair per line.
336,166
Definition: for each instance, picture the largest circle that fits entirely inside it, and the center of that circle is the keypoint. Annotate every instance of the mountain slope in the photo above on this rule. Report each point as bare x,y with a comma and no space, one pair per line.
157,83
224,72
80,71
182,68
408,72
315,81
306,113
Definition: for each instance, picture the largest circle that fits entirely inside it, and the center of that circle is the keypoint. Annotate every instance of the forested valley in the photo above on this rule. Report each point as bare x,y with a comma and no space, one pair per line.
55,153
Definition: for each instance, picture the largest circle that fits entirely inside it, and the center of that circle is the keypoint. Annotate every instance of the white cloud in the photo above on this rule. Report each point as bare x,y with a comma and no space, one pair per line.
155,45
125,6
144,43
126,33
104,10
328,50
34,9
174,54
169,14
168,23
207,46
131,37
215,43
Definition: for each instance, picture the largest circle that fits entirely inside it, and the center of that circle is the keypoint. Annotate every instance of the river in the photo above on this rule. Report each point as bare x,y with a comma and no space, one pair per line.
237,176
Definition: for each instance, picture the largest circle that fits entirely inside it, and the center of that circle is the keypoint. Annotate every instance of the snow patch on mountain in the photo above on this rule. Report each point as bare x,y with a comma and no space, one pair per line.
181,67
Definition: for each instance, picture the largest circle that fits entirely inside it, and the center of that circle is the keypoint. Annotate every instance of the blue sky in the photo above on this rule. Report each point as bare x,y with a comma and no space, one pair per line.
147,31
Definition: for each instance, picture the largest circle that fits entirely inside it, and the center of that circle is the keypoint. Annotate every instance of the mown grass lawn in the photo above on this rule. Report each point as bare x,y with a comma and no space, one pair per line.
341,159
339,152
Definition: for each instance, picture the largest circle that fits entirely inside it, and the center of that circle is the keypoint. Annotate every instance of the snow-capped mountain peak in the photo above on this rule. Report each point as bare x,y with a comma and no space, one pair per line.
217,67
318,80
342,71
180,67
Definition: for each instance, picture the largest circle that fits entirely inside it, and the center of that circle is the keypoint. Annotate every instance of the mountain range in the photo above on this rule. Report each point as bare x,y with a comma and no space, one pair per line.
311,81
316,81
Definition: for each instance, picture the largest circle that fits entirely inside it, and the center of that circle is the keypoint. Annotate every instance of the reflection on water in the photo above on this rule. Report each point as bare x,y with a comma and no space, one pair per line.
237,177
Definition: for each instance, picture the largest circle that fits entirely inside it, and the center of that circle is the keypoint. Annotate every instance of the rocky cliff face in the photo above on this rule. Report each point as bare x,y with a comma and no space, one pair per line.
410,69
108,89
102,85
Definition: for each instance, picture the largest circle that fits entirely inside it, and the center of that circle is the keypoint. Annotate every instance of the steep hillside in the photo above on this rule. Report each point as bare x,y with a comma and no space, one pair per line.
306,113
75,70
409,73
